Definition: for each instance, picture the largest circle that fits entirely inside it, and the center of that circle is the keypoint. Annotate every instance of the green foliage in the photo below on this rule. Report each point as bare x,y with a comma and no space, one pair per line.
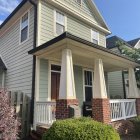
80,129
136,122
132,53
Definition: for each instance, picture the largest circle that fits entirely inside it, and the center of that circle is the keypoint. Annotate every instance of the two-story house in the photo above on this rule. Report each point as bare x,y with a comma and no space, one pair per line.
118,80
67,62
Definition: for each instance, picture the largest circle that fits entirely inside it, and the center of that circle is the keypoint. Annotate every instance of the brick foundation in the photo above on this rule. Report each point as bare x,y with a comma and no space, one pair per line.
138,106
101,110
62,107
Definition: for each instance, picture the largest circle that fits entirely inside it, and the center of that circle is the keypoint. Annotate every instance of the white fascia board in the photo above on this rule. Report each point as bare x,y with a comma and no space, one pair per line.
81,16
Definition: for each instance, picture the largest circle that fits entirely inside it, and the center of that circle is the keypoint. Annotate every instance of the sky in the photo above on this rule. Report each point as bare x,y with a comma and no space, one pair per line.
121,16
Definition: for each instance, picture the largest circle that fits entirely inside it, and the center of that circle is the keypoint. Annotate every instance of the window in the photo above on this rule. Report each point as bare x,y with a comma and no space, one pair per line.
88,83
95,37
79,2
24,28
60,23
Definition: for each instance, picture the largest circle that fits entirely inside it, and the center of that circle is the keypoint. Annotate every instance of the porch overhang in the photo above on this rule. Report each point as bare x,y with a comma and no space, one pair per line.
2,65
84,53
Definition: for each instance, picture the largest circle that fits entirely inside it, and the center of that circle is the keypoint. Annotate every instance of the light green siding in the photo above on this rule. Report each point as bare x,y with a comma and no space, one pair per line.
83,9
115,84
15,55
74,25
78,76
43,82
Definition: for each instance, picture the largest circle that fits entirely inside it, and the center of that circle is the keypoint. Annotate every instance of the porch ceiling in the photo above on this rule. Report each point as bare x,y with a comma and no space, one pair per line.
84,53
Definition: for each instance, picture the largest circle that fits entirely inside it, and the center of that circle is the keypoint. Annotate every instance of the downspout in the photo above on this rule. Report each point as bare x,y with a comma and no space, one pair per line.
34,62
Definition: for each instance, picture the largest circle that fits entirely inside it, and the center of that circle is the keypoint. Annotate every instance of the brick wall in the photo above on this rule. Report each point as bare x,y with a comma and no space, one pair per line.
101,110
62,107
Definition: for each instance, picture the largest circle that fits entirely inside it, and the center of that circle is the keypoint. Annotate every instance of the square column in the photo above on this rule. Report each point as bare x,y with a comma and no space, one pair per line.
133,90
67,94
100,102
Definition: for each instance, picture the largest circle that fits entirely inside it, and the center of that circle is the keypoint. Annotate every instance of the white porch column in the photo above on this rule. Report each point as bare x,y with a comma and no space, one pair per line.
67,84
67,95
99,90
100,102
133,90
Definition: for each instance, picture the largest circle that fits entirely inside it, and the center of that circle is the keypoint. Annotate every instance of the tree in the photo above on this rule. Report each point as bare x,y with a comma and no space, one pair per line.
132,53
9,123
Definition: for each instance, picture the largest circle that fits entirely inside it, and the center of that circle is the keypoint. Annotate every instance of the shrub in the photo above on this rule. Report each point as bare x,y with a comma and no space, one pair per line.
136,122
9,124
80,129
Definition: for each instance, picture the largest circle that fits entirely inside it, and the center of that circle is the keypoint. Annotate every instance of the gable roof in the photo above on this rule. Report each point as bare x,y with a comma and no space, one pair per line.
97,12
133,42
111,42
13,13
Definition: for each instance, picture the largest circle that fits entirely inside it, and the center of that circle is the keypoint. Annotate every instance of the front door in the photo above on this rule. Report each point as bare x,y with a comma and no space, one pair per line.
55,83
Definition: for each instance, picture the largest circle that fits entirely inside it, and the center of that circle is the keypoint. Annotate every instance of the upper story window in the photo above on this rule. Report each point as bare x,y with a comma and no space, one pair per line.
95,37
60,23
79,2
24,27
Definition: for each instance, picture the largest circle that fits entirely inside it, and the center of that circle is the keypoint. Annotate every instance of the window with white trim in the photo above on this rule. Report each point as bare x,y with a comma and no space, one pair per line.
24,27
88,85
60,23
95,37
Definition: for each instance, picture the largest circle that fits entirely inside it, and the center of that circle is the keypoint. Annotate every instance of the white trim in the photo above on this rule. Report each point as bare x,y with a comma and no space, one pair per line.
37,80
137,44
49,81
39,22
84,17
28,11
3,79
93,30
49,77
87,69
65,21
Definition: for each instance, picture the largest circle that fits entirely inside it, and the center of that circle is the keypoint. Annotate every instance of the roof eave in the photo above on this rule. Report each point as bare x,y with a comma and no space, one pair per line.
13,13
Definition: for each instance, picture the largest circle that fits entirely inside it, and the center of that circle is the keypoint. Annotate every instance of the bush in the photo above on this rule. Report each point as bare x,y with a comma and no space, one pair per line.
80,129
136,122
9,123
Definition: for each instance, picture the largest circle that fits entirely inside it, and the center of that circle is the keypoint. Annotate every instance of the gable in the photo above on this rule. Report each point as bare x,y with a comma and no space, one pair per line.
86,12
137,45
83,8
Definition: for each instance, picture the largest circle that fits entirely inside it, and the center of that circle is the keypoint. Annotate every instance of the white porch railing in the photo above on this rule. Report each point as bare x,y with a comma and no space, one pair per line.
45,112
122,109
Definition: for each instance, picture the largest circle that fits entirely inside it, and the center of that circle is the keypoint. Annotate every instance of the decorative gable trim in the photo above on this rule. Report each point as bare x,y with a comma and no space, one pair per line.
97,12
83,17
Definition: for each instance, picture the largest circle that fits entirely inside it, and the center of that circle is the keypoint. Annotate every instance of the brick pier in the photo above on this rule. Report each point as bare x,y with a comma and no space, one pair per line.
62,107
101,110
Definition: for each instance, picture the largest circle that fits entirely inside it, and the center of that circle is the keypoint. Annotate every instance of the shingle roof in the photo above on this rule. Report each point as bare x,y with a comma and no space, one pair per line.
133,42
2,65
111,42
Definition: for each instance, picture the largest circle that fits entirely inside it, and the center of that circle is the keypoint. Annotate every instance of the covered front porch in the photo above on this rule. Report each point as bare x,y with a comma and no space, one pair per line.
70,70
